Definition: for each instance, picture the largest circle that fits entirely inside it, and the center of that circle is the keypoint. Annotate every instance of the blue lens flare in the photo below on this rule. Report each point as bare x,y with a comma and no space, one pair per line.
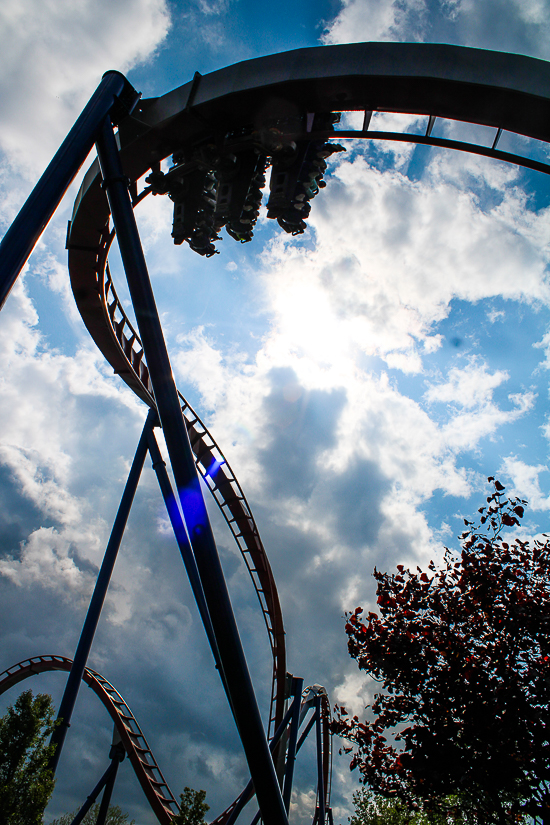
194,510
214,467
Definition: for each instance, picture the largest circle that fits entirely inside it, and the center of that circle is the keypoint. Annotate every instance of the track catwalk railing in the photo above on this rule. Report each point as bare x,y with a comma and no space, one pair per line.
237,681
148,773
145,766
124,351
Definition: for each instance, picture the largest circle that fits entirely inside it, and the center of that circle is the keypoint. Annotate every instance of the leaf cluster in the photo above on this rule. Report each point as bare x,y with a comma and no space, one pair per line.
375,810
462,654
26,781
115,816
193,808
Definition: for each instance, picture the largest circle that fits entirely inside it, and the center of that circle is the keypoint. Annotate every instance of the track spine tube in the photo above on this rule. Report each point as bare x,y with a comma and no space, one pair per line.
20,239
297,687
98,597
239,685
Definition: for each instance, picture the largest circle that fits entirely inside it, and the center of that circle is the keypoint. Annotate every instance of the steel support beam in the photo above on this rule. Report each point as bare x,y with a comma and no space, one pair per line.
20,239
239,685
112,769
117,755
297,686
320,771
306,731
248,792
159,466
98,597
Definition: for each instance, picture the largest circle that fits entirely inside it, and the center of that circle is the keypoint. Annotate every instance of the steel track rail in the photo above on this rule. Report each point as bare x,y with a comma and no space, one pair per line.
307,702
506,92
121,346
147,771
309,695
326,717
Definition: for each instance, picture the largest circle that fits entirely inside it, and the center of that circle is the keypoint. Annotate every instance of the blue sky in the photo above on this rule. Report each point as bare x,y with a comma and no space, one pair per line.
363,379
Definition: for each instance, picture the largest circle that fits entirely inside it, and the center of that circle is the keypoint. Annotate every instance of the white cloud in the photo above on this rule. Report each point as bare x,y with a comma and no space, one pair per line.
522,27
301,805
365,20
389,256
544,344
468,387
54,412
45,560
53,56
355,692
201,354
465,430
525,481
506,25
213,7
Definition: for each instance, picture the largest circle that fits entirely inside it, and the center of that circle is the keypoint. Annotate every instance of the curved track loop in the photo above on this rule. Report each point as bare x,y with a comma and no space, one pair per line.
308,699
503,91
307,703
122,348
141,757
139,753
230,498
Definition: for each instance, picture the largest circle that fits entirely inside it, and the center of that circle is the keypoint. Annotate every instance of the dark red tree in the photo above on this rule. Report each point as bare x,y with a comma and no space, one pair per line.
463,655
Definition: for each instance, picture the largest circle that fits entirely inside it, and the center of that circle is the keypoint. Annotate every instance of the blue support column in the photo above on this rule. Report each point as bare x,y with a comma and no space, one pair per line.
20,239
237,678
248,792
98,597
182,539
112,769
297,686
320,772
117,755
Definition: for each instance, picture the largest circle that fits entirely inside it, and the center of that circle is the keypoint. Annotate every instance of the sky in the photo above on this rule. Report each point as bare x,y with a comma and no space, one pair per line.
363,380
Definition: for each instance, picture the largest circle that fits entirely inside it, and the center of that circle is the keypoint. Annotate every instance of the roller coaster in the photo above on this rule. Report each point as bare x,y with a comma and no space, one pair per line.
223,131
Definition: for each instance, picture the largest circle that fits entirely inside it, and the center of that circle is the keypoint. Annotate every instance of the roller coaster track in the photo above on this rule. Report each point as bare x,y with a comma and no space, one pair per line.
146,769
121,346
502,91
149,775
224,110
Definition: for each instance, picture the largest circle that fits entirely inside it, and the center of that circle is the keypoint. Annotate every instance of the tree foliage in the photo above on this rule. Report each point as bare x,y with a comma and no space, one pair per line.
115,816
375,810
462,653
26,782
193,808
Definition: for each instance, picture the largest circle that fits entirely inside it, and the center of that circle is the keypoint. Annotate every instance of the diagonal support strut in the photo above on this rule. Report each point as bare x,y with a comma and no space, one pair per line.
238,683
